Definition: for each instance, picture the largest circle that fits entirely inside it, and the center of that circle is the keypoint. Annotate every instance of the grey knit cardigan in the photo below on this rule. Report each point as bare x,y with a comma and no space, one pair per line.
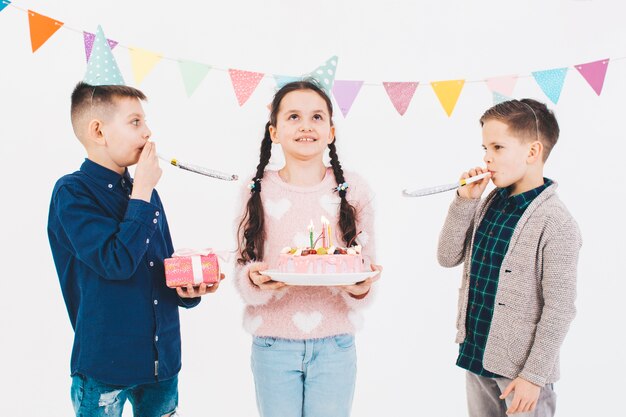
534,303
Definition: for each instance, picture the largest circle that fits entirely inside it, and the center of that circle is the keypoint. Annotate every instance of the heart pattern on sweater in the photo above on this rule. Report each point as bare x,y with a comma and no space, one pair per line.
356,318
330,203
307,322
277,209
251,324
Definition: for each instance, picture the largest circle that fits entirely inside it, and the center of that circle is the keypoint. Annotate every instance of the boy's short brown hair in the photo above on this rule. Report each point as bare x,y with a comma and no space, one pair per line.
528,118
89,97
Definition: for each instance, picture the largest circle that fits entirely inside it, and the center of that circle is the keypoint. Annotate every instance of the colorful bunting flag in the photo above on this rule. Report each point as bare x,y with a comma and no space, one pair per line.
551,82
499,98
594,73
345,92
244,83
102,68
193,73
448,93
503,85
89,38
3,4
41,28
325,74
143,62
400,94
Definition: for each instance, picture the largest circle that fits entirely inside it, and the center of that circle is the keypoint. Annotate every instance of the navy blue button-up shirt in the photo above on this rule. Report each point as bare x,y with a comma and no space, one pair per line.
108,250
491,243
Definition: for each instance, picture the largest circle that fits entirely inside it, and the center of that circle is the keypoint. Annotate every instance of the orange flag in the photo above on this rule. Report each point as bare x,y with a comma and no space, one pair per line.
41,28
448,93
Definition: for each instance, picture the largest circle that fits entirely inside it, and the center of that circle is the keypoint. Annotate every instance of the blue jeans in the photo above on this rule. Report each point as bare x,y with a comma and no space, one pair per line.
92,398
304,378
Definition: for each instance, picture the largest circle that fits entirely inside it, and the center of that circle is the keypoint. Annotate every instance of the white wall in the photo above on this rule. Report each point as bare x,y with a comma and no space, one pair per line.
406,350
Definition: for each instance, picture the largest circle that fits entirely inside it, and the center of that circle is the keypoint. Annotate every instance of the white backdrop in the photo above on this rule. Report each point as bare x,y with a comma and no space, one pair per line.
406,350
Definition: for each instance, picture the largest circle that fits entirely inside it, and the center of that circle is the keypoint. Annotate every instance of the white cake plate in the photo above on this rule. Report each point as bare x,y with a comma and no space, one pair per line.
346,278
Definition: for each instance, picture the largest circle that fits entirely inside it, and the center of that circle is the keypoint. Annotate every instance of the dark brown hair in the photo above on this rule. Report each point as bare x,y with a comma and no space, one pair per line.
251,232
528,118
89,97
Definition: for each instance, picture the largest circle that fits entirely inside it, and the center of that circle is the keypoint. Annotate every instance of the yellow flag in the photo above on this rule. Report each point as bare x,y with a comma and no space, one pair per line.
142,62
448,93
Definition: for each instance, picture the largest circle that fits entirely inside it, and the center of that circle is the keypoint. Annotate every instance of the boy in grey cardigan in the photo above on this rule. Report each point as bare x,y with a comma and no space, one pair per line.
520,250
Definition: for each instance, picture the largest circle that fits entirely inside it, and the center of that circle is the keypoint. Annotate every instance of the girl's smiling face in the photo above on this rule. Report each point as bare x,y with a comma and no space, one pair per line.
303,125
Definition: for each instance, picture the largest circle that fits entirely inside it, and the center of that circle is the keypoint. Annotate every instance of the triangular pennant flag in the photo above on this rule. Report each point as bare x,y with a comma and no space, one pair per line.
499,98
503,85
193,73
143,62
325,74
244,83
282,80
400,94
345,92
551,82
594,73
41,28
89,39
101,67
3,4
448,93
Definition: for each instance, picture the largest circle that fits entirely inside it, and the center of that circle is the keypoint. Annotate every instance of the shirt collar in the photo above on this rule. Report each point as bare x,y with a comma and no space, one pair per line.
522,200
104,176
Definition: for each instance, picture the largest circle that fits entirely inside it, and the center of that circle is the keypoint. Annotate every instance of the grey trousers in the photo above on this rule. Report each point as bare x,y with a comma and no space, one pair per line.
483,398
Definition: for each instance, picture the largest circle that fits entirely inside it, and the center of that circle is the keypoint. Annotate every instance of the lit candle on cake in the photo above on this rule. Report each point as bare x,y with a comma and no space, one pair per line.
311,233
325,231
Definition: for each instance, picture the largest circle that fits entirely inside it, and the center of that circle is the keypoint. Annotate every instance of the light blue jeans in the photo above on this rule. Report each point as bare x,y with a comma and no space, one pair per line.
304,378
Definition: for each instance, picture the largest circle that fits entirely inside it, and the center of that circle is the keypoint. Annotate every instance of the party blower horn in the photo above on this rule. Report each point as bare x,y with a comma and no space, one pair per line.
198,169
443,188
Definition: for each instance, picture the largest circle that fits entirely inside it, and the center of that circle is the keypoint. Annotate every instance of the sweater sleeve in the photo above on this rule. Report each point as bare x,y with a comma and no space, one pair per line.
560,261
362,198
251,294
456,233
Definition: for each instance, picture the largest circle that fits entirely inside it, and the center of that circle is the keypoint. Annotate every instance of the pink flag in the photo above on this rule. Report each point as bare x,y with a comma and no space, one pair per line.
244,83
502,85
89,38
400,94
345,92
594,73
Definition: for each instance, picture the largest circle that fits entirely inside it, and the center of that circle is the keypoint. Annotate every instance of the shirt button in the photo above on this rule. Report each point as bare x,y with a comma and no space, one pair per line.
154,221
156,302
484,258
490,233
110,185
147,241
156,338
151,263
157,214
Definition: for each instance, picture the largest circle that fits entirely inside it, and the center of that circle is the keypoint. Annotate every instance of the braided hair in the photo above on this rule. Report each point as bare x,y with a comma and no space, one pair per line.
251,232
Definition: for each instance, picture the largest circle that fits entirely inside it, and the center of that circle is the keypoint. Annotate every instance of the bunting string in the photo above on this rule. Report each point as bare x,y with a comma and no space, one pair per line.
345,92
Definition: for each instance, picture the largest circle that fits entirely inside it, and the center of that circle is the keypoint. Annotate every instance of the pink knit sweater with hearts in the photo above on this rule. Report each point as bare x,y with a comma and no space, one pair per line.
305,312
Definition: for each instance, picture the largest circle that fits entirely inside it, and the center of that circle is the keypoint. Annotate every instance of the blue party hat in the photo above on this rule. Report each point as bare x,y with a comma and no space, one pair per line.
102,68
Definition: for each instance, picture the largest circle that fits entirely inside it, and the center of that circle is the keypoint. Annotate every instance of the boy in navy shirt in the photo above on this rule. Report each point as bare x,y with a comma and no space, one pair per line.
109,235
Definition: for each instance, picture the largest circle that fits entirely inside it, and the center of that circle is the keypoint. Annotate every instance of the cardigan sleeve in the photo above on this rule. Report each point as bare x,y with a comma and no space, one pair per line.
456,233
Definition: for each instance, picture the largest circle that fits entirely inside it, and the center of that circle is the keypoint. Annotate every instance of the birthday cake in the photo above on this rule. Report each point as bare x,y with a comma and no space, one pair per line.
321,260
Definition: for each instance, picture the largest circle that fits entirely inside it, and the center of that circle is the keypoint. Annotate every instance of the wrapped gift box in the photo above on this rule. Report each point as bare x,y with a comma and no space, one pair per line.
191,267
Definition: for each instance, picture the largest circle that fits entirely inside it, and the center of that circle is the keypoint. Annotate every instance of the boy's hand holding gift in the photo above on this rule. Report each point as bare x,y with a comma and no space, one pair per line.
193,272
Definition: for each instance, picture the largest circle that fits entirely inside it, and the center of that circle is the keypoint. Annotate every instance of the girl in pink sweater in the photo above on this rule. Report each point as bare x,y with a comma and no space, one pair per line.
303,353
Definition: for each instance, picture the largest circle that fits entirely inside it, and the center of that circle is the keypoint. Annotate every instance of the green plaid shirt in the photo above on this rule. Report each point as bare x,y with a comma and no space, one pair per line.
490,245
